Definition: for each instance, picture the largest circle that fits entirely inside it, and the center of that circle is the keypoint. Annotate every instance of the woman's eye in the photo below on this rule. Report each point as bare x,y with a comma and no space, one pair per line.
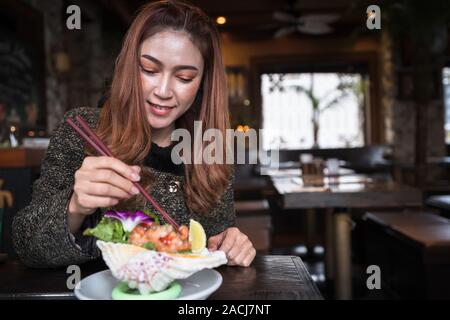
185,80
150,72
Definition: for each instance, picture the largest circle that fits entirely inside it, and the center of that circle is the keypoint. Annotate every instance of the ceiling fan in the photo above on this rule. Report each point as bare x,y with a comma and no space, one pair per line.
313,24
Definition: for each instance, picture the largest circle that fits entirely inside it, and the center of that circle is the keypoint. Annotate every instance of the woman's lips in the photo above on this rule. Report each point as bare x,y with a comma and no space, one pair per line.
159,110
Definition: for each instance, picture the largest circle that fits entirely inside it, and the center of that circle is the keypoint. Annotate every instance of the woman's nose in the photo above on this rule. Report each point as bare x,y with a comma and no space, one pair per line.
163,88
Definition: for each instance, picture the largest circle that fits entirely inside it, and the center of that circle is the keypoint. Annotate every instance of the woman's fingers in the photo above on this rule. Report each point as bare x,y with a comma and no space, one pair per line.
242,243
246,256
107,190
229,240
126,171
102,182
90,201
114,179
249,258
237,247
240,251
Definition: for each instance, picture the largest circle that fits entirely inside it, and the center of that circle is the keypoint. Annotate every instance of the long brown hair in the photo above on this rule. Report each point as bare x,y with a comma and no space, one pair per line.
123,123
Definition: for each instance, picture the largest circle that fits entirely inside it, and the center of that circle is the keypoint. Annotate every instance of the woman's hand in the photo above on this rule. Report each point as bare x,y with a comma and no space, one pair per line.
236,245
100,182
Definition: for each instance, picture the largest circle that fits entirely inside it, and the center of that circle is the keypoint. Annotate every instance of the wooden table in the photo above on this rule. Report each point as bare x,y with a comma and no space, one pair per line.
358,193
295,172
269,277
338,199
21,157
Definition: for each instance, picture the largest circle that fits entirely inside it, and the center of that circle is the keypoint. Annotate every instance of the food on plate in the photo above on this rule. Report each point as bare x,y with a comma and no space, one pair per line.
143,229
149,256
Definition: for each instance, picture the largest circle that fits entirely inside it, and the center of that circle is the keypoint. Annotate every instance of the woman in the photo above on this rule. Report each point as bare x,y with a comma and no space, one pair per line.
168,74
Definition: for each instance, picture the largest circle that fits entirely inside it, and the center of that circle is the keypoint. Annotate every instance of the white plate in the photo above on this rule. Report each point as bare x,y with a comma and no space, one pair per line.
199,286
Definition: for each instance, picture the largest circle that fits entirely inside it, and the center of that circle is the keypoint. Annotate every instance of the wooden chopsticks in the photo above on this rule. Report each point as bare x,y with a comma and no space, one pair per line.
103,150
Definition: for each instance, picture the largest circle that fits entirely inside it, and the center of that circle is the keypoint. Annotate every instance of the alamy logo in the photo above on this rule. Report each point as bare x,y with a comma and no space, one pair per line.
211,146
373,17
73,281
374,280
74,20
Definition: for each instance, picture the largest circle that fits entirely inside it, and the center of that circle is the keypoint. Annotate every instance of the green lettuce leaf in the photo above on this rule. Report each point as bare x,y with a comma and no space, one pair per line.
152,215
110,230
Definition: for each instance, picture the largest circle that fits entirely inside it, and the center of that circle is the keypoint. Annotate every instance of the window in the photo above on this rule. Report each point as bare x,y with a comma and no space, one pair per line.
306,110
446,84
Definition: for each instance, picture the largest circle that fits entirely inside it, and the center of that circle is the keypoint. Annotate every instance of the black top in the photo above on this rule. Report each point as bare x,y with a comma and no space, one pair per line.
160,158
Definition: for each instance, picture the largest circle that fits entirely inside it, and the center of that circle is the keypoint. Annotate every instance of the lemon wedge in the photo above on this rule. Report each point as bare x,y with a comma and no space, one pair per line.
197,236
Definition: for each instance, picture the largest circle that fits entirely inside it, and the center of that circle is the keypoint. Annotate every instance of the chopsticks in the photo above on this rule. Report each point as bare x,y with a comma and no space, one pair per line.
103,150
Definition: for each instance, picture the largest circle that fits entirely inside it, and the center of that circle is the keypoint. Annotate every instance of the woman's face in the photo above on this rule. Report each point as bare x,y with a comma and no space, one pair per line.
171,73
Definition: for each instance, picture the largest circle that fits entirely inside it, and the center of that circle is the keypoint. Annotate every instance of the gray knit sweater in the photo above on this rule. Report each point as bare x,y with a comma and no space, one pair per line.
40,231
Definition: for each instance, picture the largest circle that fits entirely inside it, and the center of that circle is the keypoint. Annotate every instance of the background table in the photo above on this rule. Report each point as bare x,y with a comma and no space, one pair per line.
339,199
269,277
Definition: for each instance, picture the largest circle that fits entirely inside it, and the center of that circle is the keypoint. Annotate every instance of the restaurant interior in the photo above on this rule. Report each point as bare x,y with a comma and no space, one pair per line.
352,96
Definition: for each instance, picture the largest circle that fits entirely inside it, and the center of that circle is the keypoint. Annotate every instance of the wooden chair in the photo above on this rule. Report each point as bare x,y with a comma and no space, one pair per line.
412,250
442,203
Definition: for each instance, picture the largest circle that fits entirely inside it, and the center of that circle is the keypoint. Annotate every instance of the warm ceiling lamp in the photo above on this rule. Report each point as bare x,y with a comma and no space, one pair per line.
221,20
